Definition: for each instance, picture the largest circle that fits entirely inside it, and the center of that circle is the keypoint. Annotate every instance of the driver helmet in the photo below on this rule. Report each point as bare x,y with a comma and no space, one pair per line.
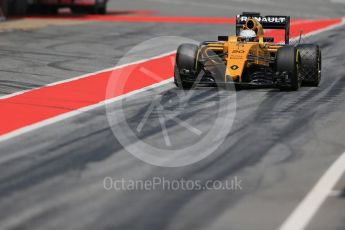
248,35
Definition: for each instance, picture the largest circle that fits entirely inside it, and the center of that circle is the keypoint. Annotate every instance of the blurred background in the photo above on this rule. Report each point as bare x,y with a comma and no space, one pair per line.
219,8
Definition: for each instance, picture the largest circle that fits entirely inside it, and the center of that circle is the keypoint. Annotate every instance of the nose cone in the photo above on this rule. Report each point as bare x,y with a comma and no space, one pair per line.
235,69
237,60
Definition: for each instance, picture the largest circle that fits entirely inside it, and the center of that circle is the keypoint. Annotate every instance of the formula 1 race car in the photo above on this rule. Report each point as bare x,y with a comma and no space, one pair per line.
249,58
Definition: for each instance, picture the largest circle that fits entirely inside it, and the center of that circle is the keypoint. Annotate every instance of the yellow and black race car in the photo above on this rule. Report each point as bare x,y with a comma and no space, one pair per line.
249,58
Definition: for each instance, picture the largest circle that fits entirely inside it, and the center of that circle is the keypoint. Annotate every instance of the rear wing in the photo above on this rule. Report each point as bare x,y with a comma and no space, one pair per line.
267,22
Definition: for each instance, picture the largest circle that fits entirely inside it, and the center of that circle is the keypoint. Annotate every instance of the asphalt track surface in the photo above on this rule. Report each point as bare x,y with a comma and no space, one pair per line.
280,144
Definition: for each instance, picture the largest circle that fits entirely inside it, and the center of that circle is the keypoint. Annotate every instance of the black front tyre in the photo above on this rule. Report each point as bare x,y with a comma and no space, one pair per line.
186,67
310,66
179,82
287,62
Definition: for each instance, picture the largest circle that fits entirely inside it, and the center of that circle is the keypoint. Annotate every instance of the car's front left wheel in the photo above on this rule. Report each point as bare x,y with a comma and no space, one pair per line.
288,60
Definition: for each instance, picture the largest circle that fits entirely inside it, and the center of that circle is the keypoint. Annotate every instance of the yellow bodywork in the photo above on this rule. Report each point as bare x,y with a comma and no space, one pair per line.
239,54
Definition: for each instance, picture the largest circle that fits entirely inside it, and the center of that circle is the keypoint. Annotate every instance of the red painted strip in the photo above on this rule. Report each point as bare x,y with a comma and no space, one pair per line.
43,103
306,26
47,102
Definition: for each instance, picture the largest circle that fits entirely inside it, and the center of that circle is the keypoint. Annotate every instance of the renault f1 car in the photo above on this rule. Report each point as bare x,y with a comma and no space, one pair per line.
249,58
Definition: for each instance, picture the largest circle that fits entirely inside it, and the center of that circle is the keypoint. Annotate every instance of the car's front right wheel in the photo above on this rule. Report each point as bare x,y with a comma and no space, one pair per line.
310,66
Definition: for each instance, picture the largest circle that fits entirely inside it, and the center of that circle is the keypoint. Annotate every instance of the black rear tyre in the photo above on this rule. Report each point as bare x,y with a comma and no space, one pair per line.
78,10
287,61
99,8
310,66
186,66
4,6
18,7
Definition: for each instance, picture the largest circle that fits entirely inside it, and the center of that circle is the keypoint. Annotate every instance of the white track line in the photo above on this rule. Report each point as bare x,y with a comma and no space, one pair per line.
79,111
305,211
